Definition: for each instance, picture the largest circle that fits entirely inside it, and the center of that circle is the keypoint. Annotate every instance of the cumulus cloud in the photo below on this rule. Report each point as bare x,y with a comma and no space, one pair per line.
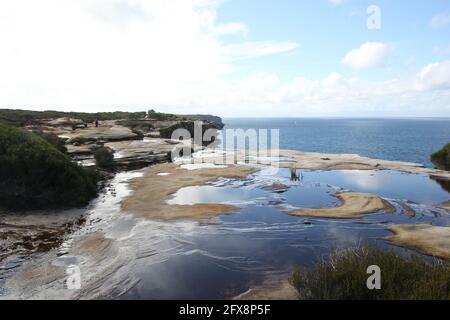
435,76
368,55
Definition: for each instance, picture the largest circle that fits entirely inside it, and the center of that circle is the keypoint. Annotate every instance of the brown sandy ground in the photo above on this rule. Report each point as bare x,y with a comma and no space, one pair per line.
354,205
152,191
425,238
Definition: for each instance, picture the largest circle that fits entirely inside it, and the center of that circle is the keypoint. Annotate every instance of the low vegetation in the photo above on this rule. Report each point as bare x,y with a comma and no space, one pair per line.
53,139
152,114
104,158
441,158
343,276
34,174
27,117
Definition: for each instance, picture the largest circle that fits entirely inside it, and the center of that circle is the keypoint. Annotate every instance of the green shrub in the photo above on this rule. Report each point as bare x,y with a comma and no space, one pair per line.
441,158
104,158
343,276
54,140
35,175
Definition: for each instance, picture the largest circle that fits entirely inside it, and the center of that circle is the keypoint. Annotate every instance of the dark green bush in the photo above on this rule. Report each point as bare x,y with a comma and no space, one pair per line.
104,158
441,158
343,276
54,140
35,175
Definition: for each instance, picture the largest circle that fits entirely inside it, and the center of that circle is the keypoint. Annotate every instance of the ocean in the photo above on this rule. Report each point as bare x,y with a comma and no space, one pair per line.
411,140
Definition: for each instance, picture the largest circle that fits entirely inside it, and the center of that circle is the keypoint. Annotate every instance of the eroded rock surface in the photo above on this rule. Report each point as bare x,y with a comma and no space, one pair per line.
425,238
354,205
151,192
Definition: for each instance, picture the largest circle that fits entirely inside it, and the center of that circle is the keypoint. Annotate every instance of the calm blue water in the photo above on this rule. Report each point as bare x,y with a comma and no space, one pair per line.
411,140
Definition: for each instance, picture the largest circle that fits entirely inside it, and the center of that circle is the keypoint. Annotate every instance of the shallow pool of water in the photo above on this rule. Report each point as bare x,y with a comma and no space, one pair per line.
222,261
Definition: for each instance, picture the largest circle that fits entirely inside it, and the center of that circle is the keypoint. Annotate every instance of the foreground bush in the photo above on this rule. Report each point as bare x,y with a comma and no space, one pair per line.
35,175
343,276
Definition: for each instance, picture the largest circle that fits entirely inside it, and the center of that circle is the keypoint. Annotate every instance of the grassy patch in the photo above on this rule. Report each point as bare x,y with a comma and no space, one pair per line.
343,276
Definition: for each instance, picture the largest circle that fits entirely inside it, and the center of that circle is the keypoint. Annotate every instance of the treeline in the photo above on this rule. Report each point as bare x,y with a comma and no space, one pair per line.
28,117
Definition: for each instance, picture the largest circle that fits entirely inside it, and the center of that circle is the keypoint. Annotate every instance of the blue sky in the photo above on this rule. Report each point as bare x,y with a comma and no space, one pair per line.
227,57
326,32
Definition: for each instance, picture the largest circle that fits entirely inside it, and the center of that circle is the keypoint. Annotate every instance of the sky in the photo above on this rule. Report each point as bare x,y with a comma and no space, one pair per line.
232,58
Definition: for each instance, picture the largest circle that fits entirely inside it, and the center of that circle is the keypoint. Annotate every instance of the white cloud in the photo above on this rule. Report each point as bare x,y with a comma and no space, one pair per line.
368,55
440,20
90,55
434,76
105,53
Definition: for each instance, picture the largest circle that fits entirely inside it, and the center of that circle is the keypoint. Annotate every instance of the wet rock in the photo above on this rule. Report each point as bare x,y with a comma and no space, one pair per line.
354,205
276,187
425,238
23,234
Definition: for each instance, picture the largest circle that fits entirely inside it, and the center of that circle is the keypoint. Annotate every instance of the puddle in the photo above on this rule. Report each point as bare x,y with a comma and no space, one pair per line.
390,184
